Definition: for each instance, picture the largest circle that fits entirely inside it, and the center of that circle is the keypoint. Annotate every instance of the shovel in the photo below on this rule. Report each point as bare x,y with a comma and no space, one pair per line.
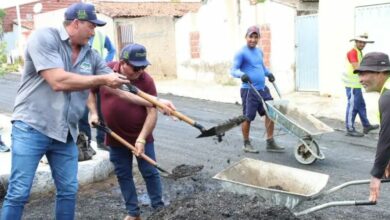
129,146
178,172
218,130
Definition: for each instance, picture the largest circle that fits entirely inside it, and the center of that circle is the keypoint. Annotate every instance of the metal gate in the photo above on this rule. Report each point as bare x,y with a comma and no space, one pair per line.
307,53
125,35
374,20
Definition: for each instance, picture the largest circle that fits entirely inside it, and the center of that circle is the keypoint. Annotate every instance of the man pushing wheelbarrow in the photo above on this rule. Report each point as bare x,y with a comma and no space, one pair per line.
249,66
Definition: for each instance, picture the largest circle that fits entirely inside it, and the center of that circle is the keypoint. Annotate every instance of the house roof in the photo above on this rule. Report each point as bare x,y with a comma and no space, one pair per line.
131,9
25,24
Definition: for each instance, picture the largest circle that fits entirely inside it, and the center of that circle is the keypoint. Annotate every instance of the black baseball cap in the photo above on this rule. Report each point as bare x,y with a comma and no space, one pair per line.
83,12
374,62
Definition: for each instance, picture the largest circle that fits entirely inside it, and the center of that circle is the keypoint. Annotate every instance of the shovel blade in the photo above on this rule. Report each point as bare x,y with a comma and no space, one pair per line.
220,129
210,132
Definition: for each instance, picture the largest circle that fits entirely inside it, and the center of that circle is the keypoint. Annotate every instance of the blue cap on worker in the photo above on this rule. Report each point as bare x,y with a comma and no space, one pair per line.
83,12
134,54
252,29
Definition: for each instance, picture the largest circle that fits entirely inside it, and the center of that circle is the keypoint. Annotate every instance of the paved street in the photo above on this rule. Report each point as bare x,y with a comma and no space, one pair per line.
346,158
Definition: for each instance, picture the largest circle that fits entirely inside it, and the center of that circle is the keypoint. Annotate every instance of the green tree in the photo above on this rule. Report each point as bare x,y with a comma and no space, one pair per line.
2,15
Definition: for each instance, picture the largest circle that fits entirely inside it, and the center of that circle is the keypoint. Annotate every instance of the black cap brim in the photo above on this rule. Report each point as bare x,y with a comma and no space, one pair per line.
98,22
139,63
371,69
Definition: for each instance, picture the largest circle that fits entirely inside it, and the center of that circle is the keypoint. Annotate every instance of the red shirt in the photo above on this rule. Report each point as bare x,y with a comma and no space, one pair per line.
352,55
124,118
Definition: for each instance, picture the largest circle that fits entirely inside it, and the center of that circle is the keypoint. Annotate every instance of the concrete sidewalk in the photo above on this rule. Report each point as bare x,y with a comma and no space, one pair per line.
100,167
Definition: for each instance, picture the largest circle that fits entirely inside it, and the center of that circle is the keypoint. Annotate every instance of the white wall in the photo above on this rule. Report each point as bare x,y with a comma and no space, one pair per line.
282,23
336,28
224,34
213,22
55,19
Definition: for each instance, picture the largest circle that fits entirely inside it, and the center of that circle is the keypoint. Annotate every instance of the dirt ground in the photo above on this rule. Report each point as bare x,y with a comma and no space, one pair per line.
193,197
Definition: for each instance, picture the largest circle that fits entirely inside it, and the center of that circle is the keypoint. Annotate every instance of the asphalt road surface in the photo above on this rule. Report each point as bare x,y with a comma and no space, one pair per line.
346,159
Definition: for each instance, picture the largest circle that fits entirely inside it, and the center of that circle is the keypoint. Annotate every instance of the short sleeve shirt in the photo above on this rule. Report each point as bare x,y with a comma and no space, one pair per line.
124,118
353,56
52,113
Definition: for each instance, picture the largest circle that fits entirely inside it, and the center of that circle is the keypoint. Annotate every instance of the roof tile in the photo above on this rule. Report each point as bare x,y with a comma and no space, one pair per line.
131,9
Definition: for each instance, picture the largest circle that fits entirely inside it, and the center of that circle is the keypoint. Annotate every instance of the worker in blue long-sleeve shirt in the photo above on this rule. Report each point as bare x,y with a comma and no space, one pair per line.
100,43
103,45
249,66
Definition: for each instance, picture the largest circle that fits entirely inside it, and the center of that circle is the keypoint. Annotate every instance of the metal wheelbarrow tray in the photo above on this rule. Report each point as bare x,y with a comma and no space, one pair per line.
300,124
282,185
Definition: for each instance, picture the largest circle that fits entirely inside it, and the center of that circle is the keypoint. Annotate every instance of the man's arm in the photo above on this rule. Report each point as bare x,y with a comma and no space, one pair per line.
150,123
135,99
130,97
236,67
60,80
110,49
92,107
352,57
383,148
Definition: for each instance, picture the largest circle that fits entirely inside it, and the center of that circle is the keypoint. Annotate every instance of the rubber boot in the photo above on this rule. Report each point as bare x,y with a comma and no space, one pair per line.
248,148
273,147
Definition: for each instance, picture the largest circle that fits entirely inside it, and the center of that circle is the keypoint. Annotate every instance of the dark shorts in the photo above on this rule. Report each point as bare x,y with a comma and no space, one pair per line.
251,102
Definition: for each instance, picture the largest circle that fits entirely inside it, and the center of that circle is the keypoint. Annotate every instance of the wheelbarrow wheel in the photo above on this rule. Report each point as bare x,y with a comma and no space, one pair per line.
305,156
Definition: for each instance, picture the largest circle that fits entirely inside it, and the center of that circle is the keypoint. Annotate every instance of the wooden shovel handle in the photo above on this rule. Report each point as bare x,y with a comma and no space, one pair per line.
160,105
132,148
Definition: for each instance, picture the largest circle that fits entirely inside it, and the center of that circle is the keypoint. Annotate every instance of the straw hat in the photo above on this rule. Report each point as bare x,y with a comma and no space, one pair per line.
363,38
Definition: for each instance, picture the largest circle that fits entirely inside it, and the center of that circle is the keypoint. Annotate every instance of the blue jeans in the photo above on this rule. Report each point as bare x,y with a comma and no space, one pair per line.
86,128
122,158
28,147
355,106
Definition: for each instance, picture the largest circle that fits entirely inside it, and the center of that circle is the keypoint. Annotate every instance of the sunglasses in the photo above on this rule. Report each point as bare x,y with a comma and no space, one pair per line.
139,68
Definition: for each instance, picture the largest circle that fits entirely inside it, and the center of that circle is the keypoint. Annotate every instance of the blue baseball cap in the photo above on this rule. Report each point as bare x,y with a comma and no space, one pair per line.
83,12
135,54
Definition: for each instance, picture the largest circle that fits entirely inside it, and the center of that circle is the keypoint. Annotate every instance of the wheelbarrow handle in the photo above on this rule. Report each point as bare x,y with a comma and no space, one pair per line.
260,97
277,89
343,185
133,89
336,203
129,146
364,202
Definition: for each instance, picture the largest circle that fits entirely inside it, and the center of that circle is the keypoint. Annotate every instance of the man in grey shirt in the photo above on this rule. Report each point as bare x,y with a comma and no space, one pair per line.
59,69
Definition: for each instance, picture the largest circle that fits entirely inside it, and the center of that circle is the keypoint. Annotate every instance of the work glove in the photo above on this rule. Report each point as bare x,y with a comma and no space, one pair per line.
271,77
245,78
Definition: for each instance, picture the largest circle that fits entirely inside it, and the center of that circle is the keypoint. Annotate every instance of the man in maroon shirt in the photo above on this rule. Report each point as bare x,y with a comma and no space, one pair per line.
134,123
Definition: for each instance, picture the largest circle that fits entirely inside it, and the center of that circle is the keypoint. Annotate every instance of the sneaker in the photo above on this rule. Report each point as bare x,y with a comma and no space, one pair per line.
3,147
273,147
370,128
102,146
354,133
248,148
